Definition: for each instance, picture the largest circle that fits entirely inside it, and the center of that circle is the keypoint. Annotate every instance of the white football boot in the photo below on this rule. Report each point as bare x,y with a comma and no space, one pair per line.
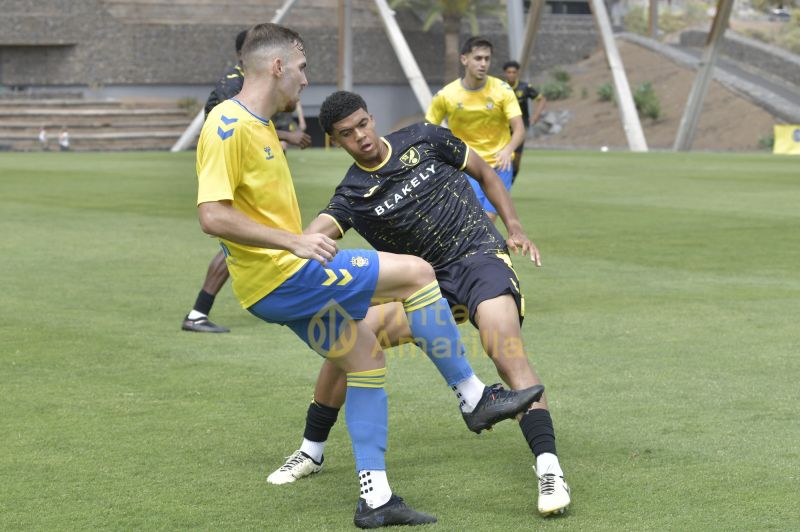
298,465
553,494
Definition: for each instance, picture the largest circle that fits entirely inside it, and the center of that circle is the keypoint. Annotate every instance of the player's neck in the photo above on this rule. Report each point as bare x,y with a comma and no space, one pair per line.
257,100
471,83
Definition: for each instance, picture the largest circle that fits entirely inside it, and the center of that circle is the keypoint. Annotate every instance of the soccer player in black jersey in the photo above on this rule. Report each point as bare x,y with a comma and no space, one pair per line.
407,193
524,92
226,88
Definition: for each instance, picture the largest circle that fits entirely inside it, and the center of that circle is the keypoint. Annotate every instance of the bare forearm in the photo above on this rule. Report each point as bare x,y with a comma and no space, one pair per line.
501,199
230,224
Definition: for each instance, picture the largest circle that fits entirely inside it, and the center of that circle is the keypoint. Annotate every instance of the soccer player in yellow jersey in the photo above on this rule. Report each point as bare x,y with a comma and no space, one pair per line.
483,111
246,198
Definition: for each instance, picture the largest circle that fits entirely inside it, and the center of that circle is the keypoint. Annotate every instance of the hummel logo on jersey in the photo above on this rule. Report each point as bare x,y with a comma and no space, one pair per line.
413,183
410,157
371,191
223,134
269,153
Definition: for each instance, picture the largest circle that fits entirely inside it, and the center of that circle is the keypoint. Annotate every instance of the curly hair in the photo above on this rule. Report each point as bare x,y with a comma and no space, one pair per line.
338,106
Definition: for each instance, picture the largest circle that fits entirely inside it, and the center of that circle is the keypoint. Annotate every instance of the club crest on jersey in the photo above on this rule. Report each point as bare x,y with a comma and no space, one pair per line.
410,157
490,105
359,262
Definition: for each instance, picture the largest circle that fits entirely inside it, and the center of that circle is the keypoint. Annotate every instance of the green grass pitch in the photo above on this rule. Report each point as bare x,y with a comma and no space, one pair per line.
664,323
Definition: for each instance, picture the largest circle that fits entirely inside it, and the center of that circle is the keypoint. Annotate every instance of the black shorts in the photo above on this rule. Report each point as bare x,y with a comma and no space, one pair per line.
470,281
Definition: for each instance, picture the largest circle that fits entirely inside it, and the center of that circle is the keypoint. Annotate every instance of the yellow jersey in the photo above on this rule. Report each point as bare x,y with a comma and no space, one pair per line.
240,159
479,117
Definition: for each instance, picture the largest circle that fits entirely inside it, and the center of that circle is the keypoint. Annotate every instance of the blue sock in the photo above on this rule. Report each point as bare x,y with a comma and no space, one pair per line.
367,416
435,332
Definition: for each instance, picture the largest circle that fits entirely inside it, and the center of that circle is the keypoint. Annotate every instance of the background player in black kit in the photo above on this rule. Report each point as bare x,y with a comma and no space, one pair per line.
406,193
524,92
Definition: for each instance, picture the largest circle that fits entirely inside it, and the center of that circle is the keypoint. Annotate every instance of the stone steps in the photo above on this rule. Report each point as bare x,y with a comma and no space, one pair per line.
95,125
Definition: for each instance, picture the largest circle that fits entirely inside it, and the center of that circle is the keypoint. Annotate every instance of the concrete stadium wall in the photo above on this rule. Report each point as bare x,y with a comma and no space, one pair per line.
770,59
61,42
161,49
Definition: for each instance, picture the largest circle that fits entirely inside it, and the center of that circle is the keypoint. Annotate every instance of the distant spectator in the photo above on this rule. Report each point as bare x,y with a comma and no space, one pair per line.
63,139
43,138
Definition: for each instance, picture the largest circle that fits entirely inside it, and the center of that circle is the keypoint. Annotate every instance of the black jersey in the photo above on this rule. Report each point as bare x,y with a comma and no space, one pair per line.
226,88
525,92
418,201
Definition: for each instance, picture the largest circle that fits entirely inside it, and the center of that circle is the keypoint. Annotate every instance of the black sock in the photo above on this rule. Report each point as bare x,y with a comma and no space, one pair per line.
204,302
319,421
537,427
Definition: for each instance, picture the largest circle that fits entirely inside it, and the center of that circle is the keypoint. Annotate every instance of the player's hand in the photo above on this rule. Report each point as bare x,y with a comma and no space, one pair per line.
315,246
503,159
298,138
519,243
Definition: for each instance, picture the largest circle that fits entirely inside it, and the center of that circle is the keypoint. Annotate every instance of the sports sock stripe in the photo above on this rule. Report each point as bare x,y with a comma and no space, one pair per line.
373,378
423,297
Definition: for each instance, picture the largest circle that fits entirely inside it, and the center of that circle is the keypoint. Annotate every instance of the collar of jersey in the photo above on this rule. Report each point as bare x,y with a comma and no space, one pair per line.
264,120
485,82
515,85
383,163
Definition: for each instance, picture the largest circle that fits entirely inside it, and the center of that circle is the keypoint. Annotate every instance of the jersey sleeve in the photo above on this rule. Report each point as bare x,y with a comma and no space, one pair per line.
437,110
450,148
219,160
339,210
532,93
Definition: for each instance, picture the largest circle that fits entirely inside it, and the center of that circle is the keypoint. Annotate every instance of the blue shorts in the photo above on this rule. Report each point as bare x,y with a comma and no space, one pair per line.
505,177
319,301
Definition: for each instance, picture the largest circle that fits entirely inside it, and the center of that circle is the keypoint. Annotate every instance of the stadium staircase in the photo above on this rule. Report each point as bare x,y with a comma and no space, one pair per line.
93,125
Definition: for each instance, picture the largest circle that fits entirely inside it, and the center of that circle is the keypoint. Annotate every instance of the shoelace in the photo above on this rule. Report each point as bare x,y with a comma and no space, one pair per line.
495,390
547,484
293,460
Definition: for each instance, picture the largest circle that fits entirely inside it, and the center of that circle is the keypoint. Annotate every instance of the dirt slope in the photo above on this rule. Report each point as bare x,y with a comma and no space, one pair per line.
728,122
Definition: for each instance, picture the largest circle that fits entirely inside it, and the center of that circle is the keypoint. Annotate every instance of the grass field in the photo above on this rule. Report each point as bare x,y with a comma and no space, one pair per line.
664,323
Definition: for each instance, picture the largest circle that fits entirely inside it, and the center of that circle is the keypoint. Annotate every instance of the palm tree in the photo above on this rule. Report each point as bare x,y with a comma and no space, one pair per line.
451,13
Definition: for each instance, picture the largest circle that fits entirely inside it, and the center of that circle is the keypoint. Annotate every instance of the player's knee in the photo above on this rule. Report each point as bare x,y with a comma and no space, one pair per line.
420,272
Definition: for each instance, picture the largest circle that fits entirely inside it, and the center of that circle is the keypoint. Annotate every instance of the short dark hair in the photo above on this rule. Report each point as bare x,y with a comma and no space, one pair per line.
240,37
510,64
268,35
475,42
339,106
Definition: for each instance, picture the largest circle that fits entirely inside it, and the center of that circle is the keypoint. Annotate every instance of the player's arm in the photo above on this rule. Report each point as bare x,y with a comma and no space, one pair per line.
494,189
301,117
504,156
296,138
539,101
326,225
220,219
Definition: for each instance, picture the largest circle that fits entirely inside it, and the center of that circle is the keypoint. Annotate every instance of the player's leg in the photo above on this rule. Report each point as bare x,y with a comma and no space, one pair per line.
434,330
325,306
498,322
388,322
197,320
424,317
366,412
